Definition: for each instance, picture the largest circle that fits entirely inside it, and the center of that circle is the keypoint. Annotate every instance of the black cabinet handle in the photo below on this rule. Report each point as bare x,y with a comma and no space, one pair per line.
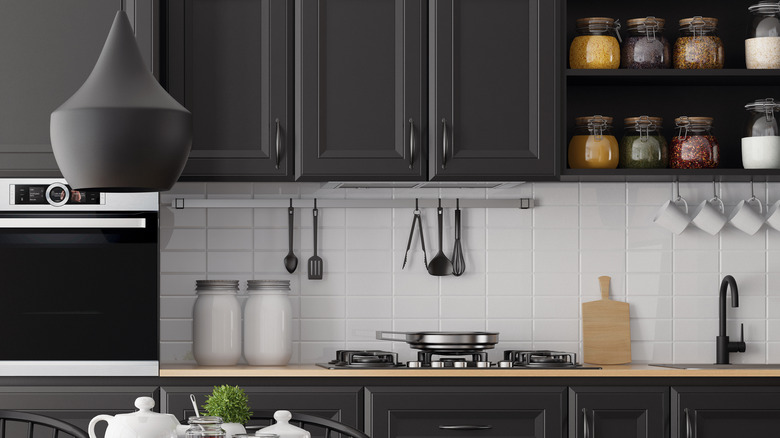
278,144
411,143
465,426
444,143
585,425
688,425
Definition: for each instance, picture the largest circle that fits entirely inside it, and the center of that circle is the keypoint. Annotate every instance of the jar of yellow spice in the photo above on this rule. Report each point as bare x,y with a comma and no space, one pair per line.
596,44
593,146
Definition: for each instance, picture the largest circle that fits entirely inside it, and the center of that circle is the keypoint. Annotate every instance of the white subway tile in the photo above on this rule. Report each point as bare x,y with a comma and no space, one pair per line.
463,325
369,261
651,352
695,261
773,307
327,217
556,193
696,284
276,190
755,329
561,330
696,307
416,307
517,330
188,217
510,218
238,239
272,262
326,330
509,284
557,284
556,307
319,352
602,216
555,217
229,217
177,307
694,239
182,239
179,261
508,239
591,288
228,190
600,261
369,218
694,352
749,307
649,261
474,261
230,261
467,284
331,284
773,330
375,193
176,353
655,330
364,330
602,193
510,261
373,239
755,352
556,261
603,239
327,239
323,307
418,284
734,239
648,284
742,261
654,307
178,284
369,307
172,330
649,238
648,193
751,284
641,216
556,240
773,352
463,307
333,261
509,307
369,284
265,239
274,218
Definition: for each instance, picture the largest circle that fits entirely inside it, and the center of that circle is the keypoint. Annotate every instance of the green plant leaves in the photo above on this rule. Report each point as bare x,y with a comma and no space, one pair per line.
230,403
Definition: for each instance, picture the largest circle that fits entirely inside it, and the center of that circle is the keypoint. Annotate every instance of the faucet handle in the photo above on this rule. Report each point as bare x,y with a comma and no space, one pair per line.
741,344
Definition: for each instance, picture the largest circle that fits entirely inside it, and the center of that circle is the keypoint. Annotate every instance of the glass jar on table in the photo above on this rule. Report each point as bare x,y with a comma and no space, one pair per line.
205,427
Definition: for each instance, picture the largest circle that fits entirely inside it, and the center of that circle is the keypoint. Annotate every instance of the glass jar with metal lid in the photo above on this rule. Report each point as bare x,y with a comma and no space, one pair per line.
593,146
216,323
268,323
762,45
596,44
643,146
205,427
694,146
699,46
761,141
645,47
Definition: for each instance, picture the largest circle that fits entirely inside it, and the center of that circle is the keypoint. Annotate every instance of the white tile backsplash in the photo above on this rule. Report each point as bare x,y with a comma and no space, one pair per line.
527,271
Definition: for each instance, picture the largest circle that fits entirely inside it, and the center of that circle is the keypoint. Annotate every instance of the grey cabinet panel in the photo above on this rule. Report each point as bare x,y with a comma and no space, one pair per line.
641,412
359,78
712,412
494,89
48,49
474,412
343,404
230,63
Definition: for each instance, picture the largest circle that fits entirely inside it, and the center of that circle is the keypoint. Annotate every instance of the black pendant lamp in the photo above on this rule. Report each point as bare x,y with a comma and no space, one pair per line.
121,132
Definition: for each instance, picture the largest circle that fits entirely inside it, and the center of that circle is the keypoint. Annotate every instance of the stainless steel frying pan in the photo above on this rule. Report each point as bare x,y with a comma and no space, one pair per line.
443,340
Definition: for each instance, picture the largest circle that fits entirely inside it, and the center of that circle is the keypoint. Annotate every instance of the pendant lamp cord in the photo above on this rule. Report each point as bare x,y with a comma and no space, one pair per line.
121,5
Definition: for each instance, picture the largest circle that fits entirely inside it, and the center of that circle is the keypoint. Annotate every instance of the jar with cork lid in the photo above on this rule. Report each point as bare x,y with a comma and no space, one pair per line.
593,146
597,44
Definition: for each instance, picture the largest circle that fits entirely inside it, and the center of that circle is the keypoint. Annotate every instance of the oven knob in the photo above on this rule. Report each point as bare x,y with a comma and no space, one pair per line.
437,364
481,364
505,364
414,364
460,364
57,194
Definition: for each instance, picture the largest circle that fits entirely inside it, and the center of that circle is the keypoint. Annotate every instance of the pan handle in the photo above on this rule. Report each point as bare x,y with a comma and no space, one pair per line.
383,336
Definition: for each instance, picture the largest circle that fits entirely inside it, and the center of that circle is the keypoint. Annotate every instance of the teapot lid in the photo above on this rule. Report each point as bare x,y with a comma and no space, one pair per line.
144,422
283,428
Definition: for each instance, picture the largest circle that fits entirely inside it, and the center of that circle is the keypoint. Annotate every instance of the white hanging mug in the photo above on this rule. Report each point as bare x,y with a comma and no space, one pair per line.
747,219
671,217
709,218
773,216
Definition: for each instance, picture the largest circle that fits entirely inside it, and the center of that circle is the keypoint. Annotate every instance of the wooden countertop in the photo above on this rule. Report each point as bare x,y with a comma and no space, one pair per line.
638,370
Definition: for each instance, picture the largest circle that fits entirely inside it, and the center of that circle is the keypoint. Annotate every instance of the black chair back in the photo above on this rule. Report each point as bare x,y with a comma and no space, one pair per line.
11,422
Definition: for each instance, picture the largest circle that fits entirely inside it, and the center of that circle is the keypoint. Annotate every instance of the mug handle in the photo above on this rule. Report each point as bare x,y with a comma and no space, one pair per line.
719,201
680,198
760,206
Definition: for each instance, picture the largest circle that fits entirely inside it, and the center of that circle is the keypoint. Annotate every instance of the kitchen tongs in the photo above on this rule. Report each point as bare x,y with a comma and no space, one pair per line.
417,220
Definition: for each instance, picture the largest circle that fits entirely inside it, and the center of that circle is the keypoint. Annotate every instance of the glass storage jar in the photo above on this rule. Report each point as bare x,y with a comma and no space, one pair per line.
216,323
643,146
596,44
268,323
694,146
762,46
761,143
645,47
593,146
205,427
699,46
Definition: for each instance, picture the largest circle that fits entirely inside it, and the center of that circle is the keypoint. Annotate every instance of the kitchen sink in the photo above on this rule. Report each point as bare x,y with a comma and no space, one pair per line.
712,366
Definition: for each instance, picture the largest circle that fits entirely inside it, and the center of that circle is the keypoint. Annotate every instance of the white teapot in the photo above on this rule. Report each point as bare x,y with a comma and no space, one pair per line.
283,428
141,424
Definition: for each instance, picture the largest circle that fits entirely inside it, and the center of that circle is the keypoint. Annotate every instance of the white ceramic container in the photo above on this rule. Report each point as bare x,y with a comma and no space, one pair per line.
268,323
761,152
216,323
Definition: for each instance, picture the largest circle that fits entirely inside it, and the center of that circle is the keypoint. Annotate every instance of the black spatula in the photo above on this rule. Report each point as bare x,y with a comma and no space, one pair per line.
315,262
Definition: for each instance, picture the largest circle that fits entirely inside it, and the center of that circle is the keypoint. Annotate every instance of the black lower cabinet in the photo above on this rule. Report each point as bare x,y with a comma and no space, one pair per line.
717,412
619,412
343,404
76,405
405,412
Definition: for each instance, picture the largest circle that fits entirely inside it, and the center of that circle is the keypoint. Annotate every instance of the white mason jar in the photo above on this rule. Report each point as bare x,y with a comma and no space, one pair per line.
268,323
216,323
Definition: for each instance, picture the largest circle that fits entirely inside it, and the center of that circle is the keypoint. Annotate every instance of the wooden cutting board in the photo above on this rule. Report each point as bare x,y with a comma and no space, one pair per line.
606,332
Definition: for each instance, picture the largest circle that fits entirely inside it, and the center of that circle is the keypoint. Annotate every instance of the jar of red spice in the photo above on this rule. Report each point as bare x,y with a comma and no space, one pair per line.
694,146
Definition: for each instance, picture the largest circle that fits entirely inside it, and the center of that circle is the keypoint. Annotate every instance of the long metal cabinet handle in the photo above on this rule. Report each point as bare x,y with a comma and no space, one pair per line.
444,144
411,143
278,144
585,425
63,222
465,426
688,425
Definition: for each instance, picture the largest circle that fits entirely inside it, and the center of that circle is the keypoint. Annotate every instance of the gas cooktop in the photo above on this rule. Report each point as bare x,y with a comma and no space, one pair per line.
477,359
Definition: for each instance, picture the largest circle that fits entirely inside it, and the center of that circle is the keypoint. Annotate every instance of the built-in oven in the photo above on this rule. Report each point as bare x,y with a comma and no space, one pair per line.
79,280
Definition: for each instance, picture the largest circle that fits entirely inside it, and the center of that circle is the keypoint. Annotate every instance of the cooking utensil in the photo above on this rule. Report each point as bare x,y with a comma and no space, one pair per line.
194,405
417,220
606,332
315,262
443,340
440,265
458,262
290,261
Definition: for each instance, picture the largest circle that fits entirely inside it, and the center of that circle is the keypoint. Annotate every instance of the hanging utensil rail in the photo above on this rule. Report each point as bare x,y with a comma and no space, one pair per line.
520,203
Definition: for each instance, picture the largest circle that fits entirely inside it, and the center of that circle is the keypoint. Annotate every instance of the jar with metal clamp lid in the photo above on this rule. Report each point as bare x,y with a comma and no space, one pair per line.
593,146
643,146
694,146
646,47
596,44
699,46
205,427
761,143
762,45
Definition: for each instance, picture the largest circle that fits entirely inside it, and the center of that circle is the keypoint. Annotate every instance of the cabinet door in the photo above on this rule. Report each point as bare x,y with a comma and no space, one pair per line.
229,63
76,405
359,75
465,412
48,48
342,404
494,89
724,412
619,412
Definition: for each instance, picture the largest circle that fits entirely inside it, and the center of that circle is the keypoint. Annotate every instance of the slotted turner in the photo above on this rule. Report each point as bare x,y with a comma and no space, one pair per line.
315,262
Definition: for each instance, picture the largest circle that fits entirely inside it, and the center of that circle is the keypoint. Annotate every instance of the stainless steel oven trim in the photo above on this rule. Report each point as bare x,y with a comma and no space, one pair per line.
145,201
79,368
69,222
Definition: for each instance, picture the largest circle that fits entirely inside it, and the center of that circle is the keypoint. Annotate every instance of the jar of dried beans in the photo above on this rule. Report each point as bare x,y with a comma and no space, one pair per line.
643,146
593,146
698,45
646,46
596,44
694,146
762,46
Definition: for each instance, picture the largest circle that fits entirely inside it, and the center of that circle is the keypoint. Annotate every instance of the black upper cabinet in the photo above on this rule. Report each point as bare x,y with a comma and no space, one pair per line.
619,412
359,78
712,412
230,63
48,48
494,89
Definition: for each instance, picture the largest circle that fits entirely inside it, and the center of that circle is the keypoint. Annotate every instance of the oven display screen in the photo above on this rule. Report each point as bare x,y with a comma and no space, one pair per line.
36,194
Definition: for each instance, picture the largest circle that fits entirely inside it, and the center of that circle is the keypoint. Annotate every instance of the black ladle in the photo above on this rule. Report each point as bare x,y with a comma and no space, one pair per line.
440,265
291,261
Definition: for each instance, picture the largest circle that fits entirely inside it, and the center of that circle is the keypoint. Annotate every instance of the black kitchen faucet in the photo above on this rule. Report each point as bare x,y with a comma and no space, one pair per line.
724,347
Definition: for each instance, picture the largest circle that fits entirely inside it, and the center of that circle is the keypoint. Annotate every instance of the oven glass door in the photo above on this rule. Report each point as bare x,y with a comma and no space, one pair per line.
79,286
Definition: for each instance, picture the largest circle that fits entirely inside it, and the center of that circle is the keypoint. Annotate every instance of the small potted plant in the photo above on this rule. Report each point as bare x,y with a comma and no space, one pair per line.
232,405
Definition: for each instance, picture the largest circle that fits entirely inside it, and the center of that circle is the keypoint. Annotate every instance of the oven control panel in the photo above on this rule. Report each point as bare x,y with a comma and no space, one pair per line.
56,194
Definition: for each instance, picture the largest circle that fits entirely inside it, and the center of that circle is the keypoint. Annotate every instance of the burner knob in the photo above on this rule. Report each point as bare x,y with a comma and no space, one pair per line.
437,364
481,364
414,364
505,364
459,364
